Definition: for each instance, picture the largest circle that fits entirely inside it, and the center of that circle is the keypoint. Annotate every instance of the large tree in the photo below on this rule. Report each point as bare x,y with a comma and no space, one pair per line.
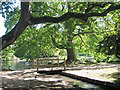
65,38
77,10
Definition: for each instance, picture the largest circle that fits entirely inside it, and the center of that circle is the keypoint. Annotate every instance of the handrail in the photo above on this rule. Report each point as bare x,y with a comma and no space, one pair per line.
49,64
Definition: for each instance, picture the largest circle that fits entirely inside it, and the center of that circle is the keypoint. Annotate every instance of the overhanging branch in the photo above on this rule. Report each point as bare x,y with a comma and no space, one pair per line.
56,44
67,16
26,20
10,37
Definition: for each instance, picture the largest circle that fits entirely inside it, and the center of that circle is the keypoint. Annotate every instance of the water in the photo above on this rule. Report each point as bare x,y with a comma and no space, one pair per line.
81,84
17,65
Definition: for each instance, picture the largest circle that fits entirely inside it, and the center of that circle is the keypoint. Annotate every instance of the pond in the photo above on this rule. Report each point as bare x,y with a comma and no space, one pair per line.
17,65
81,84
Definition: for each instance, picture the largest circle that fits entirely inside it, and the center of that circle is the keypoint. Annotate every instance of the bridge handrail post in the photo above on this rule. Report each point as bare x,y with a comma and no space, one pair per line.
58,61
37,64
64,64
33,63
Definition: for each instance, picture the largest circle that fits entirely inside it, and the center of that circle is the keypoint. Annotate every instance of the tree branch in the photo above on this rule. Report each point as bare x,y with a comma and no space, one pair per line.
26,20
95,36
67,16
83,41
10,37
56,44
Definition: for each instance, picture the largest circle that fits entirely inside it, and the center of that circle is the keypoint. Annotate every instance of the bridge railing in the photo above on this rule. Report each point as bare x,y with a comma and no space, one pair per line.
48,63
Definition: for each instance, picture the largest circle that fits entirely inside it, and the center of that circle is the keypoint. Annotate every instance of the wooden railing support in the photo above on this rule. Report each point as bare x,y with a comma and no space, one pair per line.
64,64
37,65
33,63
58,62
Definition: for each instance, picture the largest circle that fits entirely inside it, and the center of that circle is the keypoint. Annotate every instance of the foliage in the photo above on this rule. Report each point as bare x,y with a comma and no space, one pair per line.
83,35
34,43
110,44
6,7
8,54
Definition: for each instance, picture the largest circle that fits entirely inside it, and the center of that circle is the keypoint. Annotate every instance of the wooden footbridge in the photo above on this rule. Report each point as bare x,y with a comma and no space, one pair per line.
50,63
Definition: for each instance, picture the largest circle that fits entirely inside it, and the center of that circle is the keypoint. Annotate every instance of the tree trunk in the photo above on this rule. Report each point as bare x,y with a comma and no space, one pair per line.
23,22
70,55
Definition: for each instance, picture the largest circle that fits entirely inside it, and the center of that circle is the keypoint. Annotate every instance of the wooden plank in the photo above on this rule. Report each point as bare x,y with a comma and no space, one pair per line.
49,65
49,59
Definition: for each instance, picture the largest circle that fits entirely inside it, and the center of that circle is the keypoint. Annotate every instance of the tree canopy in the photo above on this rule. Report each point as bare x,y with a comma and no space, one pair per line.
79,10
77,25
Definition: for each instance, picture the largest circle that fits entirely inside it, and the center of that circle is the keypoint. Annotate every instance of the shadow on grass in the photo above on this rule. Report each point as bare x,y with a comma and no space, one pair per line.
116,76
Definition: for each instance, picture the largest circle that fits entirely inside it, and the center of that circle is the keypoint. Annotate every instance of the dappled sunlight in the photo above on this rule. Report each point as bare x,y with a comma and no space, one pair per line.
60,45
98,74
29,78
15,79
115,76
39,80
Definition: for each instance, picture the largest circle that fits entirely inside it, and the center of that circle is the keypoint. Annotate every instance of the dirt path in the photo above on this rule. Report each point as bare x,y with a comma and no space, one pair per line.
32,79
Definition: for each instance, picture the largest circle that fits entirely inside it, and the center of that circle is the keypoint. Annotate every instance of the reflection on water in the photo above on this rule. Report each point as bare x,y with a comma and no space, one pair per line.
81,84
16,65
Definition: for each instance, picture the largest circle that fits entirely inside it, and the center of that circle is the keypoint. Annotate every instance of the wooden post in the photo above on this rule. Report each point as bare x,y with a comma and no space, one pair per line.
64,64
33,63
37,65
52,64
58,62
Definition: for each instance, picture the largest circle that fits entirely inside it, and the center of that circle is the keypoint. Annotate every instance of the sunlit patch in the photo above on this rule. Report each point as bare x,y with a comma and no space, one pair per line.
29,78
9,77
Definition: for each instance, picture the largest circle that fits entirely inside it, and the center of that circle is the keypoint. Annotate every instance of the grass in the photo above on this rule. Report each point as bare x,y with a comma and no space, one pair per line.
107,73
